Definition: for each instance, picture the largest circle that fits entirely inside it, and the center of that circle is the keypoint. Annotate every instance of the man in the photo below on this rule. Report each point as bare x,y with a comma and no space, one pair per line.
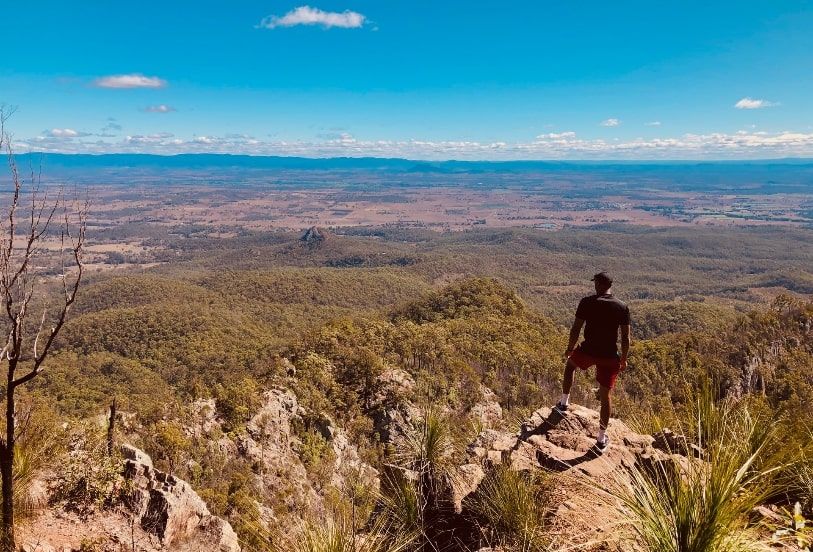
603,315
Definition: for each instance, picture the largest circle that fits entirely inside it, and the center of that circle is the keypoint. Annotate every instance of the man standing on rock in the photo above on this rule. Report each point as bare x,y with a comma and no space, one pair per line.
603,315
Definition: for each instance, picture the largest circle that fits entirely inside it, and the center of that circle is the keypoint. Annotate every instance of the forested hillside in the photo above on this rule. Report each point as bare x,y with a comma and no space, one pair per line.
353,340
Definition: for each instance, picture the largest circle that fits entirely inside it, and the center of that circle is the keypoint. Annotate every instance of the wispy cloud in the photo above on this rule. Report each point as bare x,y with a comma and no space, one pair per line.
751,103
306,15
112,128
557,136
160,108
610,122
653,123
65,133
157,139
134,80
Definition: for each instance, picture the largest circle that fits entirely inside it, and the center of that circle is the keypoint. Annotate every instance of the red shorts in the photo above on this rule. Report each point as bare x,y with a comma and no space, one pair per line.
607,369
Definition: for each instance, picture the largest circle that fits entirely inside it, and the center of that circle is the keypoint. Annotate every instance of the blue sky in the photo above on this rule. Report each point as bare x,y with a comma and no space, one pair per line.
434,80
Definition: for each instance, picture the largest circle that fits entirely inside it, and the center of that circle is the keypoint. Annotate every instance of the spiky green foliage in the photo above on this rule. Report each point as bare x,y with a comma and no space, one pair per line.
430,446
704,505
416,490
401,503
340,535
512,505
802,477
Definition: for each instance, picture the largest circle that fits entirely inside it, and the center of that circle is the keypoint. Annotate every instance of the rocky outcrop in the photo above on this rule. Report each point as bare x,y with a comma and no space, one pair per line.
170,509
271,443
314,236
562,446
151,512
392,413
566,442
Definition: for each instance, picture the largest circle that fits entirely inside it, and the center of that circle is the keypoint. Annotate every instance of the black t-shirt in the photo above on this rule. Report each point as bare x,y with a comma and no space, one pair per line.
603,315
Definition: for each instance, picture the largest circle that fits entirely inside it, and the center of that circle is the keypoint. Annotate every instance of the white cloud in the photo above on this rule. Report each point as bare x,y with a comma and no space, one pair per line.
653,123
63,133
160,108
134,80
306,15
557,136
610,122
750,103
564,145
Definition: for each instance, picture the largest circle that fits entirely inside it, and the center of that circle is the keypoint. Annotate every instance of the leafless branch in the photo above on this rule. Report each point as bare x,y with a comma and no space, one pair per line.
70,288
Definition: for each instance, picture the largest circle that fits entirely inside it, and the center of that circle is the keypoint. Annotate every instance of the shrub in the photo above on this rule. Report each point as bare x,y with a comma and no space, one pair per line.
318,457
237,401
89,477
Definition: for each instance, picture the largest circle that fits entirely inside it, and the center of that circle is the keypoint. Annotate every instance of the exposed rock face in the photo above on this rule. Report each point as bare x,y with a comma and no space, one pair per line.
168,508
392,413
669,441
271,442
488,411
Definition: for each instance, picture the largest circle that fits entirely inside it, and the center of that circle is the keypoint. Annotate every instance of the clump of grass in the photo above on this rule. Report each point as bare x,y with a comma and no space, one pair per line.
39,446
512,506
401,504
704,505
428,457
430,446
339,535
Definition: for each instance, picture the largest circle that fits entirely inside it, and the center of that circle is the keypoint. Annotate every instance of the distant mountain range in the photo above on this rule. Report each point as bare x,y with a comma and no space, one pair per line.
197,161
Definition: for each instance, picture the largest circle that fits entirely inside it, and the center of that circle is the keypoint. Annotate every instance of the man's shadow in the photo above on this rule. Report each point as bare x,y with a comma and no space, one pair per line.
552,464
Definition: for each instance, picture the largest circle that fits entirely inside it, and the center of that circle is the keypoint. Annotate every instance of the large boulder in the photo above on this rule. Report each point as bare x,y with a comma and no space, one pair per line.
170,509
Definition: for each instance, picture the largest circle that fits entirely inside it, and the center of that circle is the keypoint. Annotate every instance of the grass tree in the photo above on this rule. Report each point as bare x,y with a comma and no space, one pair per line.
41,243
705,505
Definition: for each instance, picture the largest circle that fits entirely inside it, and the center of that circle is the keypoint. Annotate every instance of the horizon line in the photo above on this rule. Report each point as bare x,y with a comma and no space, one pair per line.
418,160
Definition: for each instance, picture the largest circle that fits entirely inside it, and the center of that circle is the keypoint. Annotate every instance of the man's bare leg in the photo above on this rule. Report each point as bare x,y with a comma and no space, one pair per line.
567,383
604,415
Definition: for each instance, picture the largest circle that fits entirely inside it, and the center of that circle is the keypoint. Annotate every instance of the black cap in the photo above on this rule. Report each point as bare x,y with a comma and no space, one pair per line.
603,278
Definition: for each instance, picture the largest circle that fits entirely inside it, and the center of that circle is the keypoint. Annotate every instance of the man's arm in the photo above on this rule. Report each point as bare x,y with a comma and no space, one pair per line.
625,344
575,330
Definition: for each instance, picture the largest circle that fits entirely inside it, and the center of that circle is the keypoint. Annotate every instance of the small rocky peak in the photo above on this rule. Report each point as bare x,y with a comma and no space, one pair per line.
314,236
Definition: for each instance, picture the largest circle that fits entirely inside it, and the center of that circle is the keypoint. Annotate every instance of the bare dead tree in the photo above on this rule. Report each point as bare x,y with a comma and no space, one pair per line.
23,231
111,428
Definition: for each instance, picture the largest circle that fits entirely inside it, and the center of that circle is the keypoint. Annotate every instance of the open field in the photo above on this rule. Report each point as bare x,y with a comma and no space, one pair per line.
440,208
